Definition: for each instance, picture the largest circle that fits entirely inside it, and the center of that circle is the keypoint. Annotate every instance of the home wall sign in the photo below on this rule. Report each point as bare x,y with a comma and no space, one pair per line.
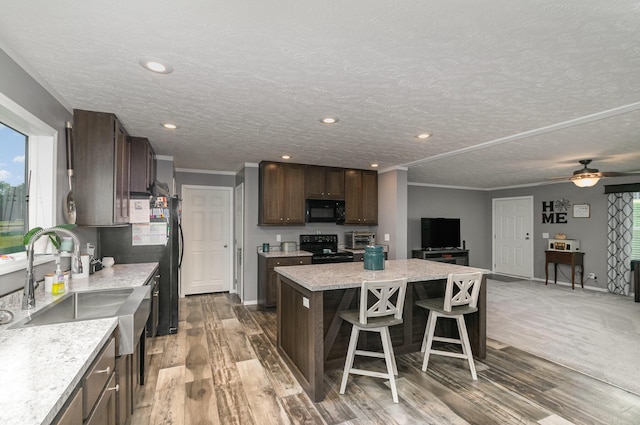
555,212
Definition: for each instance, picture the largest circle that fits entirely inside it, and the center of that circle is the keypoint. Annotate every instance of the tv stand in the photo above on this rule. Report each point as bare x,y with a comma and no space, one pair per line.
453,256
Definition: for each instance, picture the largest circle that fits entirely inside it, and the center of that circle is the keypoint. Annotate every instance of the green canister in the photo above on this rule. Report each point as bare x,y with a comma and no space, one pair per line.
374,258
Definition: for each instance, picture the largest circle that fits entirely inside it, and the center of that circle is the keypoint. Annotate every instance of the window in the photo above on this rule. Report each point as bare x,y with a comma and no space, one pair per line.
14,214
38,143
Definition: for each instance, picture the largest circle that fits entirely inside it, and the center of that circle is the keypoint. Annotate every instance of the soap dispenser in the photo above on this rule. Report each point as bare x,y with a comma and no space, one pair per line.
58,282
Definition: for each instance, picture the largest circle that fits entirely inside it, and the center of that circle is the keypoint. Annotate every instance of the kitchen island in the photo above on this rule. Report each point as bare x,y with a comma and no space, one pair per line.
311,336
42,365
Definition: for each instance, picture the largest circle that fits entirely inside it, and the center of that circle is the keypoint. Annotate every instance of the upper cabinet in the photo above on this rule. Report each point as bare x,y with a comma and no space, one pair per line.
281,194
361,197
101,168
143,170
324,183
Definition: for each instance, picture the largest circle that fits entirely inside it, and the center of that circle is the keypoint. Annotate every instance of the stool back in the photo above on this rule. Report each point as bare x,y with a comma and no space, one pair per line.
380,294
462,289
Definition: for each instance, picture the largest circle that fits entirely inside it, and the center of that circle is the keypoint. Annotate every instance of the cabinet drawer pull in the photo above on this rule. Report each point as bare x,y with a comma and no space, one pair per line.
107,370
116,388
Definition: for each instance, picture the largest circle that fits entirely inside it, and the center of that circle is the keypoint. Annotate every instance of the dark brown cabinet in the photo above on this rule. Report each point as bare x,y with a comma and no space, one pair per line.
101,164
324,183
268,278
361,197
281,194
72,413
143,170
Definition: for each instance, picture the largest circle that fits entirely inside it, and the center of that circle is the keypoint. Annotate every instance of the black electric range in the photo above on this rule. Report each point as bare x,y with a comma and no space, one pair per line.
324,249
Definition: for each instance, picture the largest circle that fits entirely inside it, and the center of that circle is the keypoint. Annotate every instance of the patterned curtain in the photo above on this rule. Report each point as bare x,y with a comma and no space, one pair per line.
619,242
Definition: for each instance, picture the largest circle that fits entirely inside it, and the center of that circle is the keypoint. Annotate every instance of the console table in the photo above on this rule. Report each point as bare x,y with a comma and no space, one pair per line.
453,256
563,257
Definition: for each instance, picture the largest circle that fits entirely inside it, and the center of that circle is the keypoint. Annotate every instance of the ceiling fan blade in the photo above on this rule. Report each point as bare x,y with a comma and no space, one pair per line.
616,174
559,178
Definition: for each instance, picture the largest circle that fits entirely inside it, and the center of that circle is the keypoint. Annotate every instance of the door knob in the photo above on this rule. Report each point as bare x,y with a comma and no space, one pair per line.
225,245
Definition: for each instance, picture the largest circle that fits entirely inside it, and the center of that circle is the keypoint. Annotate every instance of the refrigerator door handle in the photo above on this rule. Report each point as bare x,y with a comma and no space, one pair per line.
181,244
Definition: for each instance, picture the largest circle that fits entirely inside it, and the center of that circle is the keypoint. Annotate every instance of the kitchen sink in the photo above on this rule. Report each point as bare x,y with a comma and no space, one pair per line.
130,305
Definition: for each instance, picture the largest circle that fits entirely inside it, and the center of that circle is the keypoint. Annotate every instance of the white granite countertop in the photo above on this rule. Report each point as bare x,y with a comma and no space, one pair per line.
323,277
280,254
117,276
42,365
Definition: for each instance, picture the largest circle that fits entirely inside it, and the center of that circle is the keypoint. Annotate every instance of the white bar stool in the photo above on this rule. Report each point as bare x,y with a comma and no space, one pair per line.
460,298
382,313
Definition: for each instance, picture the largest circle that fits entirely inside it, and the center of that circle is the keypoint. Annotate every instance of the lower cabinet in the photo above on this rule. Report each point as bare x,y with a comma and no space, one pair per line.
99,387
125,396
104,412
105,393
72,414
268,278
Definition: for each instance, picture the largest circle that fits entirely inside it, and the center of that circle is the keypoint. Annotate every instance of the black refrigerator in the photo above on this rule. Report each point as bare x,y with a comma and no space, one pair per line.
117,242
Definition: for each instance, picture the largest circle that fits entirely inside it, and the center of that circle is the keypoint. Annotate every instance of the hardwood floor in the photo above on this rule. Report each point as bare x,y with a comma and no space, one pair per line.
222,368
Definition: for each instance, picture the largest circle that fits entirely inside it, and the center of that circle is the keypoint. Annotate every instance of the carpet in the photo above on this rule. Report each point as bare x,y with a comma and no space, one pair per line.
592,332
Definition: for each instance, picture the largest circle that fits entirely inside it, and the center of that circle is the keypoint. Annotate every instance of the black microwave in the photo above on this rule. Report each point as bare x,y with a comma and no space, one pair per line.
319,211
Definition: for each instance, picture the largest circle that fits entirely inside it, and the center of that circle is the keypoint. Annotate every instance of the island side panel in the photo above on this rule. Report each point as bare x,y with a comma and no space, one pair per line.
300,335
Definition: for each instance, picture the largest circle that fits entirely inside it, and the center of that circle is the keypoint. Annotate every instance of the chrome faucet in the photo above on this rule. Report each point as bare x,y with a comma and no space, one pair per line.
28,295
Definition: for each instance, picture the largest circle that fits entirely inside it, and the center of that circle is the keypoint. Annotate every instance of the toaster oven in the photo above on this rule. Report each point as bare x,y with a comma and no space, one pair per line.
359,239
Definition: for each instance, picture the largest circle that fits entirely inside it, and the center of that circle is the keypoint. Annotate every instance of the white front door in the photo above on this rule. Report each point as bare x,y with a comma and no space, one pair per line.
513,236
208,239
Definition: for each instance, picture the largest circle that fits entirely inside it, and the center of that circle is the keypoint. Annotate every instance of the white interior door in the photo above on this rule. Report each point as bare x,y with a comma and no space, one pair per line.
208,239
513,236
239,238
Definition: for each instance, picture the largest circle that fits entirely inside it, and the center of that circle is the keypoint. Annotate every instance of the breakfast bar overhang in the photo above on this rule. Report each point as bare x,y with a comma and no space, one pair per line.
311,336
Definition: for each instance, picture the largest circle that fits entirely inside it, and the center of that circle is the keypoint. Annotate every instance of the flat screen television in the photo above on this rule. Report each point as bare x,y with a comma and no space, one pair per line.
440,233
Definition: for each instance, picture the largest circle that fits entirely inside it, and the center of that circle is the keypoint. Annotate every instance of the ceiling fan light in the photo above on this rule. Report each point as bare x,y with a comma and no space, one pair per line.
585,181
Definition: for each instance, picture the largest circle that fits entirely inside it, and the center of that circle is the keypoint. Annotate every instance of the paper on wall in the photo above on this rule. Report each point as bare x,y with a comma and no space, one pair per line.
139,211
149,234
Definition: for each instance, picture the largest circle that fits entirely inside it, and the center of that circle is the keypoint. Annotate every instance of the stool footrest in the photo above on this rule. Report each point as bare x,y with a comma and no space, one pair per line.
449,340
449,354
370,354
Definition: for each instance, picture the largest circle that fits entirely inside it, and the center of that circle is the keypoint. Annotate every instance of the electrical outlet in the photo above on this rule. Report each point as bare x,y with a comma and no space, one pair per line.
386,237
278,238
305,302
592,276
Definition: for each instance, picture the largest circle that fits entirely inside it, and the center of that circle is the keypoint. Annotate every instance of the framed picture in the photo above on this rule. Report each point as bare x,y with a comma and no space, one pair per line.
581,210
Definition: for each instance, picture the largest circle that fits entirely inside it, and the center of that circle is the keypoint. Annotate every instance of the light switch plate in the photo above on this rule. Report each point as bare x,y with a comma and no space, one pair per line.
305,302
278,238
386,237
545,236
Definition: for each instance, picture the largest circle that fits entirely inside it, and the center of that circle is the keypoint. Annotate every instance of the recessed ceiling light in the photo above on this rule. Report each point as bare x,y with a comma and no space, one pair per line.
285,157
170,126
423,135
374,165
156,65
329,120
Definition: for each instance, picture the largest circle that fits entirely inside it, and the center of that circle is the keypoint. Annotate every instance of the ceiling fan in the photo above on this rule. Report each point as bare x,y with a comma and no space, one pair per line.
588,177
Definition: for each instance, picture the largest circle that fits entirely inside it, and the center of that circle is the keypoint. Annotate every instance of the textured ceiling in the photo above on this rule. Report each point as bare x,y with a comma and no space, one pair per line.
513,91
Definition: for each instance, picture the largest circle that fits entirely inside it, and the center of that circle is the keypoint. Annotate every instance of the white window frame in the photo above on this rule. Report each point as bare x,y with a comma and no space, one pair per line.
43,157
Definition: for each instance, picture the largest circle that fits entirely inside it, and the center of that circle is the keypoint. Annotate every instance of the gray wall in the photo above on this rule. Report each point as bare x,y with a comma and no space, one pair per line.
392,212
20,87
591,232
472,207
203,179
